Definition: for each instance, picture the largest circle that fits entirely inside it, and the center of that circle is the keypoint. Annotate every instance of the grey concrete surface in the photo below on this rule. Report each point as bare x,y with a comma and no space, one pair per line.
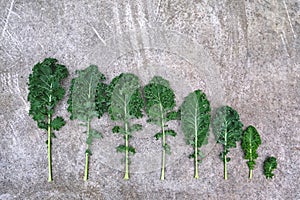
241,53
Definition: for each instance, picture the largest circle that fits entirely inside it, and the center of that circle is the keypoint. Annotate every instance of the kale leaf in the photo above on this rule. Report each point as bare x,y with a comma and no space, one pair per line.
125,104
228,130
82,104
195,120
250,143
160,102
270,165
45,91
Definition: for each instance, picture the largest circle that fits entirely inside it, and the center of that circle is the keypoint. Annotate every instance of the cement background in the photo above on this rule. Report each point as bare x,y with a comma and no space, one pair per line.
241,53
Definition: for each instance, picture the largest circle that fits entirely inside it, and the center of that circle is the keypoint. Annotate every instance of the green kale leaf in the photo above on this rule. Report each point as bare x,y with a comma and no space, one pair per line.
195,120
160,102
125,104
270,165
250,143
45,91
228,130
82,104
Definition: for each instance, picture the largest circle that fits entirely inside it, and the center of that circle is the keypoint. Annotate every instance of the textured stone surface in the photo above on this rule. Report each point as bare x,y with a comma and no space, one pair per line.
241,53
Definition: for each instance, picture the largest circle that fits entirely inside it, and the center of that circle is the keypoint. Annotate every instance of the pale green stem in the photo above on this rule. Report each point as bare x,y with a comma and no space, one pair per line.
126,176
49,150
162,177
196,164
49,141
196,147
250,174
250,170
86,170
225,157
225,167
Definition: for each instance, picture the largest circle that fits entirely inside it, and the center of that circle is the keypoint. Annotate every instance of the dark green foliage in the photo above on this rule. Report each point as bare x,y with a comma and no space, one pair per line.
250,143
195,120
102,99
124,90
125,104
123,148
82,97
118,129
88,152
228,130
167,149
270,165
160,102
173,115
167,132
45,91
135,127
83,100
57,123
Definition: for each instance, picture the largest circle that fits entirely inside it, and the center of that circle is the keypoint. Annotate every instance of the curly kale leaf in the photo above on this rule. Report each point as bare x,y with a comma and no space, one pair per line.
45,91
125,98
102,99
82,103
82,98
125,104
195,120
228,130
270,165
250,143
160,102
57,123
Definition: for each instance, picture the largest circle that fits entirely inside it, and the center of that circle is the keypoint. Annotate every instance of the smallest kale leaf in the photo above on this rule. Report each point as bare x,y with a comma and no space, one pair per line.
270,164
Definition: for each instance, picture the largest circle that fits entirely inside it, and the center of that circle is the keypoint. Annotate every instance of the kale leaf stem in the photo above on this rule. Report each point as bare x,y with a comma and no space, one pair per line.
86,171
49,150
126,176
162,177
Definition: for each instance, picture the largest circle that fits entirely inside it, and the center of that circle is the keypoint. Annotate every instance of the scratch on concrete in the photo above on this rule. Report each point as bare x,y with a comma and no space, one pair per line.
15,138
283,39
9,83
107,24
7,17
289,18
157,10
98,35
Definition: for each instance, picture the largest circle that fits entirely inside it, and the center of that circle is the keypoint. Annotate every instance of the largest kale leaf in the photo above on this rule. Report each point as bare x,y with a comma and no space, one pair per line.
125,104
45,91
228,130
160,102
82,104
195,120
